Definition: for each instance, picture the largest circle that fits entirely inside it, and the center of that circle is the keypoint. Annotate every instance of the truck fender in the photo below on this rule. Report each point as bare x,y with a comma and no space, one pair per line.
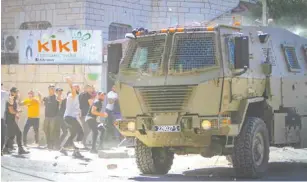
243,109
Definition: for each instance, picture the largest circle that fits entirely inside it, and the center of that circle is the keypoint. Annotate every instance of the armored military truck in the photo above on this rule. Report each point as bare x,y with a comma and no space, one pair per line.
222,90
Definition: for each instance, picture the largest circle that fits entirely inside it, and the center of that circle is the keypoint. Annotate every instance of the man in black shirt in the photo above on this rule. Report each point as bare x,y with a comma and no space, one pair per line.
91,119
51,110
60,124
11,114
85,100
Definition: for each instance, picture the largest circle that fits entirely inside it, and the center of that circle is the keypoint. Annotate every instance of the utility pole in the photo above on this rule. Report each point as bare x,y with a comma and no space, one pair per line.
264,12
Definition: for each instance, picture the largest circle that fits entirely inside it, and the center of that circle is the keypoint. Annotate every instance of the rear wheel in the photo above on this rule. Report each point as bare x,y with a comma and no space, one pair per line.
251,150
153,160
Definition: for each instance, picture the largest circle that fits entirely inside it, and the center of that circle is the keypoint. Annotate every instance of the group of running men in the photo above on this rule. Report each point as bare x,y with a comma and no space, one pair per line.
78,113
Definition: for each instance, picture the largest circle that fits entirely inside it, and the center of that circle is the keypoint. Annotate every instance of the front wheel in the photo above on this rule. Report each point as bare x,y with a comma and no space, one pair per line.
153,160
251,150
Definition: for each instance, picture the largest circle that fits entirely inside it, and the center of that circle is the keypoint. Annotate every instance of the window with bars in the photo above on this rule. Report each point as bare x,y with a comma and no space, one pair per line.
35,25
304,47
291,58
193,51
118,31
147,55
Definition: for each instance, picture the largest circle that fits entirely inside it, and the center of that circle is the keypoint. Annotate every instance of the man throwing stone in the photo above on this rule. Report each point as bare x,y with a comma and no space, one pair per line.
71,116
91,119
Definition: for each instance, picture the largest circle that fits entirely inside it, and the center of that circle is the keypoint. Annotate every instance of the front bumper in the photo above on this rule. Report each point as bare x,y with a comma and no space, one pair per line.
192,132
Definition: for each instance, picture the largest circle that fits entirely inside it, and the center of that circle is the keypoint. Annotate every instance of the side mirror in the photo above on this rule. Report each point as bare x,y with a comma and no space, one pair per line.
241,53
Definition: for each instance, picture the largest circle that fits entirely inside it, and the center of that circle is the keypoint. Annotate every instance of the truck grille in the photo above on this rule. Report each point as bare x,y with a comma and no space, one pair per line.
165,98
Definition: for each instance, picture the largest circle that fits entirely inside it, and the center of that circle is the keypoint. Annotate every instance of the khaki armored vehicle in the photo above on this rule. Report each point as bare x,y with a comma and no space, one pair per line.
223,90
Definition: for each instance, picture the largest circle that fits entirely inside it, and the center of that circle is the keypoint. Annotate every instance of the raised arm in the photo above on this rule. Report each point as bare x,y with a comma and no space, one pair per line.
73,89
39,97
94,112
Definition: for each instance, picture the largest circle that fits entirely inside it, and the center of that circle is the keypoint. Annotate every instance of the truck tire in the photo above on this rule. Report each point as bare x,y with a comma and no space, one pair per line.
155,160
251,149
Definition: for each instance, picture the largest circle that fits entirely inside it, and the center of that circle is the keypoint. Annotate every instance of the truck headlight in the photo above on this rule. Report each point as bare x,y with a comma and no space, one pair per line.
131,126
206,124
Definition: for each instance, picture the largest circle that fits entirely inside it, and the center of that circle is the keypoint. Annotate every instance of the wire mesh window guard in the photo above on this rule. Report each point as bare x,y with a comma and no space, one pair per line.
193,51
291,58
147,53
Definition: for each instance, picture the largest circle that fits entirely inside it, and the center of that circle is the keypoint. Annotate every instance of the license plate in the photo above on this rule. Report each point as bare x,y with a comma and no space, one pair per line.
172,128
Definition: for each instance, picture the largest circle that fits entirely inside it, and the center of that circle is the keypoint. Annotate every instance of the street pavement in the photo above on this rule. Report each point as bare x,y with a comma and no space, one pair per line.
44,165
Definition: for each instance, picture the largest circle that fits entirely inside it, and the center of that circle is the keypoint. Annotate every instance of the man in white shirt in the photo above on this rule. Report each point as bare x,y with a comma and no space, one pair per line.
112,97
71,117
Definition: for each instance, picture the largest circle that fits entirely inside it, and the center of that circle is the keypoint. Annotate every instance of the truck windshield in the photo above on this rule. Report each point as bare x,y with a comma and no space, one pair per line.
192,51
147,53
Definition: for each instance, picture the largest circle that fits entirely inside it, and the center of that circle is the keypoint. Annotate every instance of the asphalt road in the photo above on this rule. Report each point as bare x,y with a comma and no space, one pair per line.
44,165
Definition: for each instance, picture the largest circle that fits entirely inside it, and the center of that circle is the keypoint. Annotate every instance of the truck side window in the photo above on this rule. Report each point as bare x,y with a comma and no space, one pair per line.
231,50
291,58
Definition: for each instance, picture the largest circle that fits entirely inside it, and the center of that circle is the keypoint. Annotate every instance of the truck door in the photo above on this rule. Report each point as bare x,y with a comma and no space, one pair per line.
115,53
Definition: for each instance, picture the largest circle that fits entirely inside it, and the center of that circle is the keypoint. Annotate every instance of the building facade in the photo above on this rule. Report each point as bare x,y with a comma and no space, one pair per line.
113,17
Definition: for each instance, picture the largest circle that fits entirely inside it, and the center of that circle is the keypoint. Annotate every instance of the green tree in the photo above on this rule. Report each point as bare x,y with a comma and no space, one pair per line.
284,12
289,14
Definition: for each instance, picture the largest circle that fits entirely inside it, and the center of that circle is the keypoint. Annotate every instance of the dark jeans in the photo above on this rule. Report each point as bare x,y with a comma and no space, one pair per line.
49,129
75,129
31,122
12,131
3,133
111,131
86,130
93,125
60,125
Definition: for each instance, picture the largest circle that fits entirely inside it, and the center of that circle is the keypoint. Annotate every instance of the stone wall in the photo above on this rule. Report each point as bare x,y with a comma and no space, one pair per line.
38,77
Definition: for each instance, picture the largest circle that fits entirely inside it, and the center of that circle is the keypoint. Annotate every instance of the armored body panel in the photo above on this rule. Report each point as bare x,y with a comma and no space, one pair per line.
183,87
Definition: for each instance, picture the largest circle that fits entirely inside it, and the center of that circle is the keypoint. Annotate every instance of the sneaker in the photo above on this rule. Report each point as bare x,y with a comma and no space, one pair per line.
93,151
79,145
35,145
86,148
63,151
11,148
6,150
22,151
77,154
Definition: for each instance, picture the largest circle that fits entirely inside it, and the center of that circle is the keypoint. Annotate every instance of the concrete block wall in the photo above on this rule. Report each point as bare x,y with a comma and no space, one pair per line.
99,14
38,77
60,13
185,12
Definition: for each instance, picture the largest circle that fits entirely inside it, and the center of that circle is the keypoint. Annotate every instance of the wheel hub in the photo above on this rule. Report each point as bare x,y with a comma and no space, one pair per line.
258,149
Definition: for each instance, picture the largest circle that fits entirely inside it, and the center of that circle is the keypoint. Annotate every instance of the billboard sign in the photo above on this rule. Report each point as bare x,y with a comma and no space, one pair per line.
60,46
